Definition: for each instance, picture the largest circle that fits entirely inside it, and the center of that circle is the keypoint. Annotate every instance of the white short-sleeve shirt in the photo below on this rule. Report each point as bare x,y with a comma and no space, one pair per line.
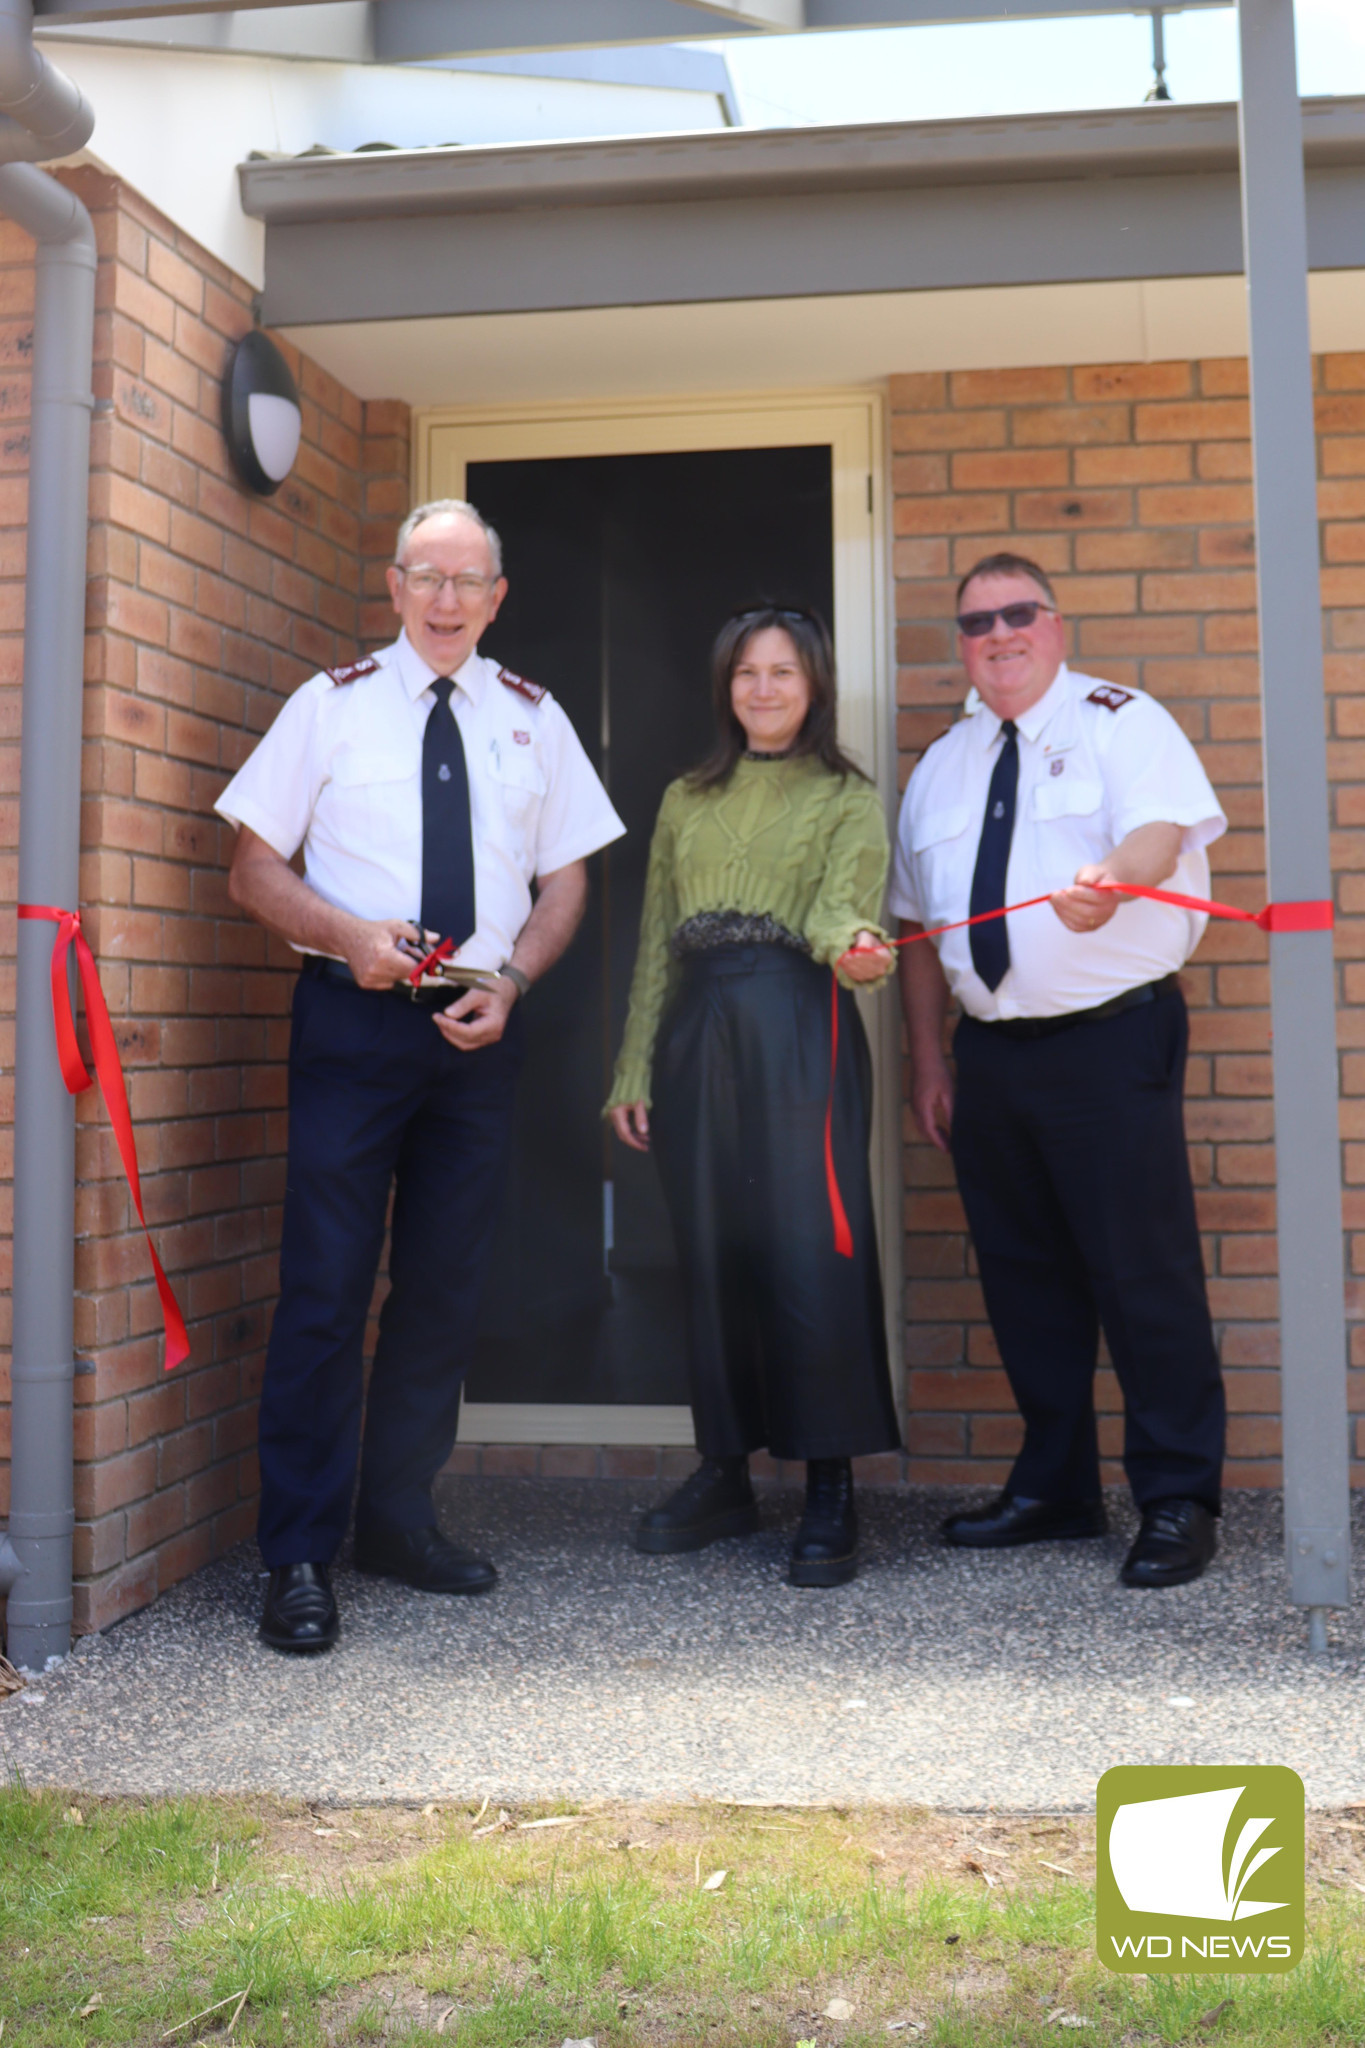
1095,762
340,774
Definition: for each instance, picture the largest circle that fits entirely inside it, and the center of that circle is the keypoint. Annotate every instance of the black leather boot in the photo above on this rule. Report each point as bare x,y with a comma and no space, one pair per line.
716,1501
825,1552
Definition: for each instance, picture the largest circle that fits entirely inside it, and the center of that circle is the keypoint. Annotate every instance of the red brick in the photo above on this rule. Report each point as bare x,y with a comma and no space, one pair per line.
573,1461
1009,387
620,1461
151,1521
1133,380
1070,425
912,432
511,1461
1200,420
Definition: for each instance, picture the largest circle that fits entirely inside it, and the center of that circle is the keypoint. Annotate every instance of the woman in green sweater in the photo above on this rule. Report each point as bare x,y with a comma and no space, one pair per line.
767,865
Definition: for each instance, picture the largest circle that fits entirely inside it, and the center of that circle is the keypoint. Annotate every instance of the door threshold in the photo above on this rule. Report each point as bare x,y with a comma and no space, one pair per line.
537,1422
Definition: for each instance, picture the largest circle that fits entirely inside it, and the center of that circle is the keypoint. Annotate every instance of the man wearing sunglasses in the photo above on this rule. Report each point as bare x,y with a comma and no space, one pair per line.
1065,1116
428,790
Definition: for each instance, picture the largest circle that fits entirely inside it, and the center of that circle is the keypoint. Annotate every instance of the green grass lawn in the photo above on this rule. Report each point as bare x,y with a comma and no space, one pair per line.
122,1920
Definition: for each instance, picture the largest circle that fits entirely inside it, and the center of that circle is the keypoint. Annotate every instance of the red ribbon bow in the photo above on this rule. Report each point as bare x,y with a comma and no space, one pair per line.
109,1072
441,952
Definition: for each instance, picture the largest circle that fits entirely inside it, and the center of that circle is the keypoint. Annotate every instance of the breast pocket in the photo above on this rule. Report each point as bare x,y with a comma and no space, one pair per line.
1067,796
518,787
374,799
938,842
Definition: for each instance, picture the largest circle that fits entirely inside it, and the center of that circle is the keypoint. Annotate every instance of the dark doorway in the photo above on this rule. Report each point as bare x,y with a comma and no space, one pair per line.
621,570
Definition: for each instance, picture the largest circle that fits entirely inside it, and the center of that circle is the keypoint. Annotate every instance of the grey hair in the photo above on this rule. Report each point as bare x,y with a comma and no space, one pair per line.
448,508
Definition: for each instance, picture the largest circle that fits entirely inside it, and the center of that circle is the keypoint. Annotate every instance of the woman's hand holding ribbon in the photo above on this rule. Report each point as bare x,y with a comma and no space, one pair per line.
868,959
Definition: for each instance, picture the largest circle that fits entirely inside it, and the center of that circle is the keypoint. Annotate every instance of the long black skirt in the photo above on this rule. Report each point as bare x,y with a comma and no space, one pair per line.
787,1342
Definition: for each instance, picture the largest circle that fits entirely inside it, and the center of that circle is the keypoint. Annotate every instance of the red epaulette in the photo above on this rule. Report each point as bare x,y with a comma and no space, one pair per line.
533,692
1111,696
352,671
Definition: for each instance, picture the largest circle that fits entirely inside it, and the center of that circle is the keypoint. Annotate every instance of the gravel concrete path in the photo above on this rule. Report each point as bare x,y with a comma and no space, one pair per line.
938,1677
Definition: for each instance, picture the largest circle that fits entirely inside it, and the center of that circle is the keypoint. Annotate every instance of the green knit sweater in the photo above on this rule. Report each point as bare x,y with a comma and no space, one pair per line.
783,836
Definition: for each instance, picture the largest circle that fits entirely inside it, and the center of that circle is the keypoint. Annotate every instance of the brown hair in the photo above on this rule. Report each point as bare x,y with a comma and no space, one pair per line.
810,637
1007,565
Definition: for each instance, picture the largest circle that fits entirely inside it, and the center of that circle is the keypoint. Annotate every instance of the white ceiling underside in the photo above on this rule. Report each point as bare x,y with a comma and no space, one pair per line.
788,344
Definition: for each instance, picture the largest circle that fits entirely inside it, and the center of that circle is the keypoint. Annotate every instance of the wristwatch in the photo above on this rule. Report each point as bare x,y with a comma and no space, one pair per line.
519,981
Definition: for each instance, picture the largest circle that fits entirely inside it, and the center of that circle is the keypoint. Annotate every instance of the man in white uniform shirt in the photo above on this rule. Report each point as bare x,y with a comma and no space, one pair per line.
1066,1119
428,790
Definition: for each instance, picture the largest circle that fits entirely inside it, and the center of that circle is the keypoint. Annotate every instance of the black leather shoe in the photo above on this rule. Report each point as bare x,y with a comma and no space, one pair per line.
825,1552
424,1559
1176,1543
716,1501
1010,1519
300,1612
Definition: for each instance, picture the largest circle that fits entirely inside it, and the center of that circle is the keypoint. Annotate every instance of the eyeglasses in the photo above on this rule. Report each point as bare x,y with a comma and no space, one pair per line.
424,582
976,625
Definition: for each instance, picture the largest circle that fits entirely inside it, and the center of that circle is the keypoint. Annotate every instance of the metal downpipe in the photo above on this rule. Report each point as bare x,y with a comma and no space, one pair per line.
42,101
42,1515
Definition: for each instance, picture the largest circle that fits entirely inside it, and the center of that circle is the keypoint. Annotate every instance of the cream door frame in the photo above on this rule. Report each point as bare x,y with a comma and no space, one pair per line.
852,423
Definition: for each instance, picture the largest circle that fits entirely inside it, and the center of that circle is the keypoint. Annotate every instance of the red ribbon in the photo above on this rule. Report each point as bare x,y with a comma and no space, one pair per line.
441,952
1276,917
843,1236
109,1072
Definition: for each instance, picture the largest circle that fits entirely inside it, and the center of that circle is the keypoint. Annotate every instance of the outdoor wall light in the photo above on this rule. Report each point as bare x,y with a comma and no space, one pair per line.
262,419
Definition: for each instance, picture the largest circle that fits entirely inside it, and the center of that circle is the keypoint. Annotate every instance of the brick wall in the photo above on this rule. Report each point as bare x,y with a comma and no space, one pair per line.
1131,486
206,605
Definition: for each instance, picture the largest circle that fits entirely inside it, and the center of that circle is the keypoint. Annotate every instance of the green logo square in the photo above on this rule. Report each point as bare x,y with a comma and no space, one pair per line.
1199,1869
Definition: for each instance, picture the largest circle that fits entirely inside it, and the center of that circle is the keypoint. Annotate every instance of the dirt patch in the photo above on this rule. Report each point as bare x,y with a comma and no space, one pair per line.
914,1846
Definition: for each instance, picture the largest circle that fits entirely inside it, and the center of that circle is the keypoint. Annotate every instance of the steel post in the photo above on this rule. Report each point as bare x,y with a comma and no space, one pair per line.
1302,983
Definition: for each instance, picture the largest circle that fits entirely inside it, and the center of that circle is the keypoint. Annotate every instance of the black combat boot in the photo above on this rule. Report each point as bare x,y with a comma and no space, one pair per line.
716,1501
825,1552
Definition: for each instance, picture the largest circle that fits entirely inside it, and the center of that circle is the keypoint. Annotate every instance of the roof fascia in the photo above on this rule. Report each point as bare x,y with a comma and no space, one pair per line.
1149,141
826,244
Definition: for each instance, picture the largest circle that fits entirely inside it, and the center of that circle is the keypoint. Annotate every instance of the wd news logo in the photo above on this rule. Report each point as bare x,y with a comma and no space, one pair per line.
1199,1869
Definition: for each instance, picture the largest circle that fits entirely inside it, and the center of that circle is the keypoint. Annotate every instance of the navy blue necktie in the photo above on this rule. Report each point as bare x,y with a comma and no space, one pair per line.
447,829
990,942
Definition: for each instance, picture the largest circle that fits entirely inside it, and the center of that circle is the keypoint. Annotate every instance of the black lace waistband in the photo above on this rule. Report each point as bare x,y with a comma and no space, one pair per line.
710,930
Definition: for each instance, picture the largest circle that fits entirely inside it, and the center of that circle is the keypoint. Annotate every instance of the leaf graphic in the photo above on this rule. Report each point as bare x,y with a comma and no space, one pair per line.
1261,1856
1251,1833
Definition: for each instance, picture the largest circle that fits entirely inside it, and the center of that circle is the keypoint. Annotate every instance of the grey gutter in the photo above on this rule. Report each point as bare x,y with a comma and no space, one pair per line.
760,163
52,118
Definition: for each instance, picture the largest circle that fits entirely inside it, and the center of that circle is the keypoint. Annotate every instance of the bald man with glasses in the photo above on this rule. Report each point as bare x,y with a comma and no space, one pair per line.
440,802
1064,1116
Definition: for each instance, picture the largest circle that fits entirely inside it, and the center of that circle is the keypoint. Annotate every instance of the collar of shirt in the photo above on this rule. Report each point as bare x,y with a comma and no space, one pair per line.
1031,723
417,675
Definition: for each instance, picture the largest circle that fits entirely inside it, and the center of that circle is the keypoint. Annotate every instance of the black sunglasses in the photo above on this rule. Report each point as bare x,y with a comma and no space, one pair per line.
774,611
976,625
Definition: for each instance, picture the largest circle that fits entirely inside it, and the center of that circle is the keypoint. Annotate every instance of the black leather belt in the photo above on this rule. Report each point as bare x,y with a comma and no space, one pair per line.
319,969
1046,1027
